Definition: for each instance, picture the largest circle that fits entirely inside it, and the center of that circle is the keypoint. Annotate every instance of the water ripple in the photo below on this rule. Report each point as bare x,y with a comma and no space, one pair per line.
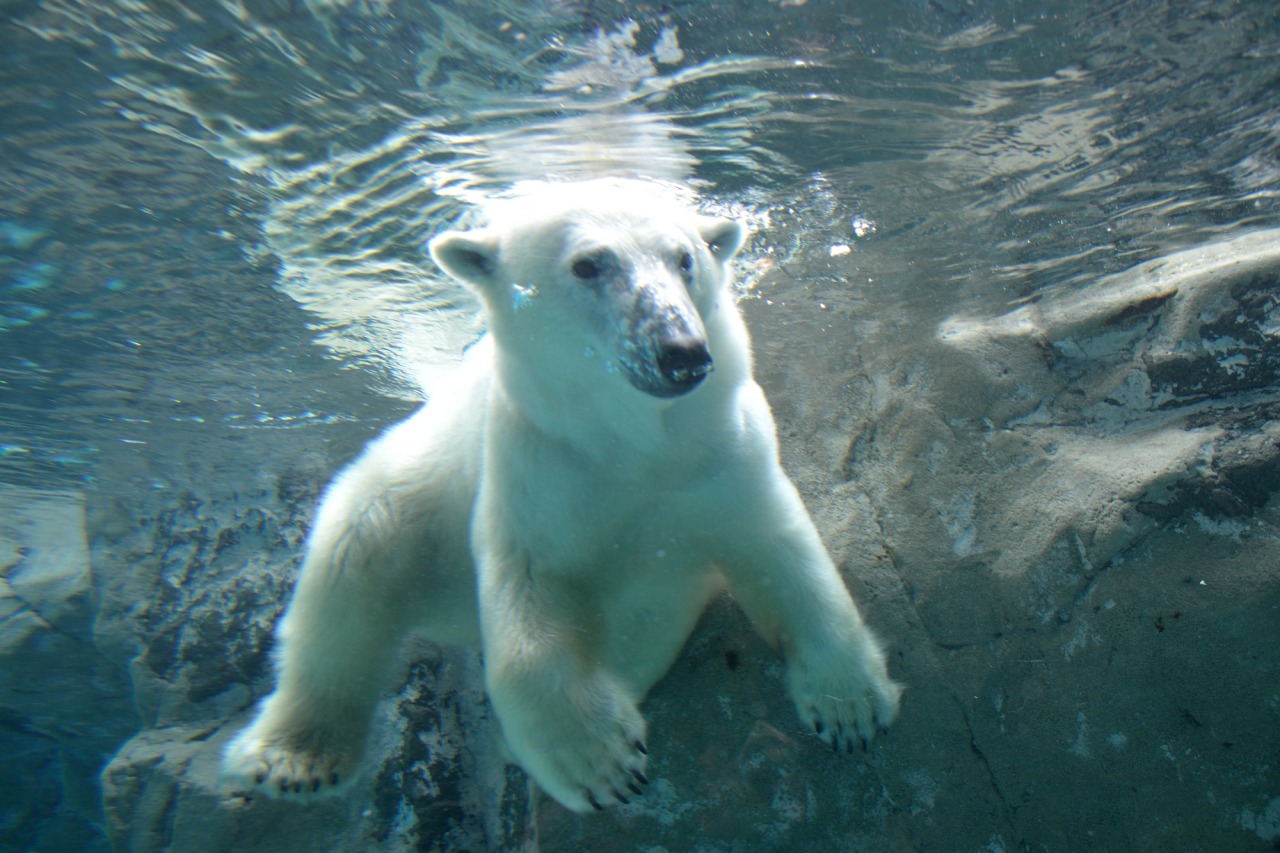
176,167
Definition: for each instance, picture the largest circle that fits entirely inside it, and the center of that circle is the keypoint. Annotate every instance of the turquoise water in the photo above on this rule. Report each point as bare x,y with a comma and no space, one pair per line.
167,166
213,288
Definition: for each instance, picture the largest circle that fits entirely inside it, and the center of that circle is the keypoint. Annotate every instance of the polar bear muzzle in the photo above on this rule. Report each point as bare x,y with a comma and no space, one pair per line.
663,350
682,363
669,366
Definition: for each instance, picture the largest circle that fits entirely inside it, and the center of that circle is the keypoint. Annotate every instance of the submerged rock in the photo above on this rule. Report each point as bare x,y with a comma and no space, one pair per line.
1061,519
65,707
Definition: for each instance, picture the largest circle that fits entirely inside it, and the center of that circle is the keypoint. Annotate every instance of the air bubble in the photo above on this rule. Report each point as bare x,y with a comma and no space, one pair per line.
521,295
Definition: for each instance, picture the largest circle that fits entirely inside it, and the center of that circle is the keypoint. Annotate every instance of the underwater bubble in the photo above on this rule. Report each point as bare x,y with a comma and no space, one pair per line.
521,295
863,227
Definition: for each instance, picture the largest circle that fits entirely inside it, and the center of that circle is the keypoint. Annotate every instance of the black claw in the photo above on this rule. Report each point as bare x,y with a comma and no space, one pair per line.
640,747
817,727
835,743
259,777
640,777
591,798
620,798
297,787
866,744
634,788
315,784
284,786
333,778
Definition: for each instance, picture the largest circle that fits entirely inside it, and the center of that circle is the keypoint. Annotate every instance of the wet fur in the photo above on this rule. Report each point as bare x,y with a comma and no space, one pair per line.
547,506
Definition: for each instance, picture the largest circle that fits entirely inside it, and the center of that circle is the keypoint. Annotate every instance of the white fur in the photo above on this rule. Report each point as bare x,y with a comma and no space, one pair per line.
573,524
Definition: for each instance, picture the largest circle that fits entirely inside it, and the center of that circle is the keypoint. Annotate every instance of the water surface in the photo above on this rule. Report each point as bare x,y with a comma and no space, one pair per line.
213,214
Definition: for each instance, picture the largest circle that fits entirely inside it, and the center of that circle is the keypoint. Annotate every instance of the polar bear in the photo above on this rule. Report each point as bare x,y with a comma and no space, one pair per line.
599,464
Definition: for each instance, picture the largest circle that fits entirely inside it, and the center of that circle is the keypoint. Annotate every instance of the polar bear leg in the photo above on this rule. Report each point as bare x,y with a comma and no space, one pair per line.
337,641
782,576
387,555
572,725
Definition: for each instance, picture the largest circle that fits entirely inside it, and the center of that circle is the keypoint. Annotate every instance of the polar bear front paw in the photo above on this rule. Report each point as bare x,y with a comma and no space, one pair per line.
846,699
298,766
584,746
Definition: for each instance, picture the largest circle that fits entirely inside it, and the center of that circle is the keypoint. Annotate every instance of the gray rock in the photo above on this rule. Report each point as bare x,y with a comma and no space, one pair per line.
1062,520
64,706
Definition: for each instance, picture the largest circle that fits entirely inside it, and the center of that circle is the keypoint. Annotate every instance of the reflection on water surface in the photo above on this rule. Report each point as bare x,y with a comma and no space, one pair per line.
213,290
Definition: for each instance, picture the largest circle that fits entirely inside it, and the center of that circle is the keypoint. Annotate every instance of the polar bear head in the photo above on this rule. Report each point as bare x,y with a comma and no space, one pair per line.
612,274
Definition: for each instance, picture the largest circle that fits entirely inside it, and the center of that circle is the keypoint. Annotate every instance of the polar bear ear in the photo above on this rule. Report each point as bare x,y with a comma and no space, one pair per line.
724,237
469,256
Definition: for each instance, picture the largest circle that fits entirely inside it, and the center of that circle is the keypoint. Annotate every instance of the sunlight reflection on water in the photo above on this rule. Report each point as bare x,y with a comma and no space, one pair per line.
1002,153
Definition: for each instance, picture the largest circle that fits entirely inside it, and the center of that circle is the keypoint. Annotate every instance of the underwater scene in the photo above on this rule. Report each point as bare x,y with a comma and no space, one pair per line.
1011,276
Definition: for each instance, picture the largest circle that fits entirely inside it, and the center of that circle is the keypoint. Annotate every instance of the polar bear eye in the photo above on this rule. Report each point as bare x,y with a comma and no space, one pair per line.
686,262
587,268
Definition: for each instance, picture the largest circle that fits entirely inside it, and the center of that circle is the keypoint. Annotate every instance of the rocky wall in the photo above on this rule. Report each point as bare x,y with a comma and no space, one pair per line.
1061,519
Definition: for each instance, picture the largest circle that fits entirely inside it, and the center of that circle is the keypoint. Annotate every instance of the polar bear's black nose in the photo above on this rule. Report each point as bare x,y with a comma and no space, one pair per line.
684,363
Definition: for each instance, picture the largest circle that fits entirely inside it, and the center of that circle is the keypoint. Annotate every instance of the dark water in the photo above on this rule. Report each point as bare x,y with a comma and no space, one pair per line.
212,214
